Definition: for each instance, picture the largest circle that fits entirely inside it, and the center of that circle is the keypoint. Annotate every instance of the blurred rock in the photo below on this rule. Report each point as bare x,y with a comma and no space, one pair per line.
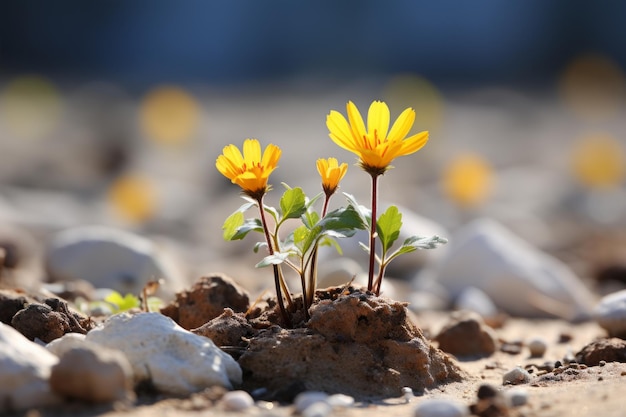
520,279
112,258
603,350
516,376
474,299
25,371
439,407
610,313
537,347
174,360
467,336
93,374
20,265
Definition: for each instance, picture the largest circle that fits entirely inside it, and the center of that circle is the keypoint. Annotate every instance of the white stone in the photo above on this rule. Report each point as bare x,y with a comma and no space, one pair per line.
66,342
516,376
340,400
306,398
610,313
475,299
517,397
24,371
175,360
520,279
112,258
318,409
440,408
237,400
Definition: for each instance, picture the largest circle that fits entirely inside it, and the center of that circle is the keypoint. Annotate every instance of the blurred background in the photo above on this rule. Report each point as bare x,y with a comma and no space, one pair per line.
114,112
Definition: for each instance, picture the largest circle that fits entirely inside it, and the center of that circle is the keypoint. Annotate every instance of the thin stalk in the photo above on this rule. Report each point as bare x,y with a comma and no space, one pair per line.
379,279
277,276
370,278
313,269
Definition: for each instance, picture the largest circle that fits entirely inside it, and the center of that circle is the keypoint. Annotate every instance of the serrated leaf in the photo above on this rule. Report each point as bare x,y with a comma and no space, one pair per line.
293,203
414,243
388,227
232,224
341,222
276,259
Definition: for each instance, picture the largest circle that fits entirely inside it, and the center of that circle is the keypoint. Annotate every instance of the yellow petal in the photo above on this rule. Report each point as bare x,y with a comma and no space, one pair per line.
251,152
414,143
340,131
402,125
356,124
378,120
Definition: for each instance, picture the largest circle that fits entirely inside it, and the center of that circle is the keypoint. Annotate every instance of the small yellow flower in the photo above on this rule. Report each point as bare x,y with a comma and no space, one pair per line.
331,173
375,146
252,169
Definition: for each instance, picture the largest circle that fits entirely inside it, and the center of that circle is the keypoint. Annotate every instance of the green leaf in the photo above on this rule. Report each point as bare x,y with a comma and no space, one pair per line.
271,210
310,218
258,246
275,259
122,303
364,213
342,222
299,236
328,241
388,227
414,243
232,224
293,203
248,226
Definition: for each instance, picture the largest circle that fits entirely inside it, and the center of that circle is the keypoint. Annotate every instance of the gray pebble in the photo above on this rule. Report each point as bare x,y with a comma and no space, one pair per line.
440,408
305,399
517,397
537,347
237,400
516,376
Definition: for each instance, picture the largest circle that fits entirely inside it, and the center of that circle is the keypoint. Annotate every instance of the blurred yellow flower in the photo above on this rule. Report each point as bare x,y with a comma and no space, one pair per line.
331,173
252,169
467,180
598,160
375,146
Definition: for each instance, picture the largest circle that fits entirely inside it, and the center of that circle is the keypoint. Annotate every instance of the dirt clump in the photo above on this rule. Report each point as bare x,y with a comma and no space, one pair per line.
205,300
606,350
355,343
467,336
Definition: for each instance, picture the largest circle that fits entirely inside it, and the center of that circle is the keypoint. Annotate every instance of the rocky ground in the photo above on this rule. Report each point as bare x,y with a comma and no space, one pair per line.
516,295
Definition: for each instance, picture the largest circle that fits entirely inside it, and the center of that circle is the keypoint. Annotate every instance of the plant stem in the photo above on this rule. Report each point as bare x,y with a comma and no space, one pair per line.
278,282
370,278
313,269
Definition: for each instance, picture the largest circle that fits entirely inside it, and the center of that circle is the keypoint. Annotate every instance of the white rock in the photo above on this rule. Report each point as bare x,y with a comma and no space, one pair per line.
24,371
319,409
516,376
175,360
520,279
475,299
66,342
610,313
440,408
306,398
112,258
517,397
237,400
340,400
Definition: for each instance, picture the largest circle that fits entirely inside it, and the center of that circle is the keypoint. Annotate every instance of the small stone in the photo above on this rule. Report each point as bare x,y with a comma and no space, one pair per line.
516,376
606,350
610,314
94,374
467,336
305,399
517,397
537,347
407,394
25,369
318,409
440,408
237,401
340,401
486,391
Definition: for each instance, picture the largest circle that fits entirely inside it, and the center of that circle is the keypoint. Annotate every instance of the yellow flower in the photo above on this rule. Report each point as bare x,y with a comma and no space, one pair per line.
252,169
377,146
331,173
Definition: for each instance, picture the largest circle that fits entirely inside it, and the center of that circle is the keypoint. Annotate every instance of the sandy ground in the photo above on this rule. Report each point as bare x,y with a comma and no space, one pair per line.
592,391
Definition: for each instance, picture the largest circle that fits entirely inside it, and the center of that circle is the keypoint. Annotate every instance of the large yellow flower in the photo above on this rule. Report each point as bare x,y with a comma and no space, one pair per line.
375,146
252,169
331,173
